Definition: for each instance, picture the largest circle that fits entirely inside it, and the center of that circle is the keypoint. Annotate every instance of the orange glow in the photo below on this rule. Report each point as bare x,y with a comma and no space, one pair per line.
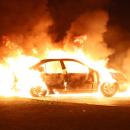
100,66
17,78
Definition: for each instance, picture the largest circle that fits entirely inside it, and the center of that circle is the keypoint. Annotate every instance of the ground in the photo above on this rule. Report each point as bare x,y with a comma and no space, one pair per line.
31,114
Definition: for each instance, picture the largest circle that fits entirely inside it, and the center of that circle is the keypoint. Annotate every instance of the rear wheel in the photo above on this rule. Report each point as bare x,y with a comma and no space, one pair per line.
38,92
109,89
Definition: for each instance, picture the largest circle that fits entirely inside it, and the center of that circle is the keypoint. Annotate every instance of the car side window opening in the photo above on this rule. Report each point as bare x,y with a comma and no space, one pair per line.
53,67
75,67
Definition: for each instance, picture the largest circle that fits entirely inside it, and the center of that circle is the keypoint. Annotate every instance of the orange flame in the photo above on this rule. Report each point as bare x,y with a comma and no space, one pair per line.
17,78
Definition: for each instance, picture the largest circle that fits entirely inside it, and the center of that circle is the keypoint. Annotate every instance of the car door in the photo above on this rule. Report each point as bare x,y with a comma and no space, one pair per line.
53,74
77,75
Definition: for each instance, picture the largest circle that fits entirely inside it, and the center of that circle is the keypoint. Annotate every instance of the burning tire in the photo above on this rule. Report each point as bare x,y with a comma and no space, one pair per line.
38,92
109,89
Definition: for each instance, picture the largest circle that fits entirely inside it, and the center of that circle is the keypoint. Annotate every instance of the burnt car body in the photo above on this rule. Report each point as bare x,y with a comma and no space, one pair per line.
70,76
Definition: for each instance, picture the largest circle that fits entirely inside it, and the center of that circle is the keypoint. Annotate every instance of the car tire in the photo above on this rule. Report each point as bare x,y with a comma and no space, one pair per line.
109,89
38,92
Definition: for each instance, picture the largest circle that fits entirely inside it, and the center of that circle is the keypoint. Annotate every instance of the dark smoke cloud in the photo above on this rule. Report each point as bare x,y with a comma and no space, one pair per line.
18,16
118,35
118,38
118,32
64,12
93,25
26,22
36,23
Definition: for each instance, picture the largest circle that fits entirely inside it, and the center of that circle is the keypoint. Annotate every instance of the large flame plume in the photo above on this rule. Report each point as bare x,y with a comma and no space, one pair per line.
17,78
23,48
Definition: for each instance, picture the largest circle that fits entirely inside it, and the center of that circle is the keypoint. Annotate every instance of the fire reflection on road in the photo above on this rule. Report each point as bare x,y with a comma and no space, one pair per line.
92,99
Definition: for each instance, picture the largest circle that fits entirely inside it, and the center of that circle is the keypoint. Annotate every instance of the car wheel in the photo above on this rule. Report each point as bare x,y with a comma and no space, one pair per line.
109,89
38,92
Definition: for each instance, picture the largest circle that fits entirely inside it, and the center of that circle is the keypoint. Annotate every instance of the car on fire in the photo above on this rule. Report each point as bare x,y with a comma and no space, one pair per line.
71,76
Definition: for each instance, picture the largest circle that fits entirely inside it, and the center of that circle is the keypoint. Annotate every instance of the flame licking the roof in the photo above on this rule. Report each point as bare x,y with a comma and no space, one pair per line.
17,78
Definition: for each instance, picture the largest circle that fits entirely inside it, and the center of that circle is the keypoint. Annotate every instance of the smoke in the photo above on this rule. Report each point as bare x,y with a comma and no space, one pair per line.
118,36
119,39
26,24
93,24
32,25
67,11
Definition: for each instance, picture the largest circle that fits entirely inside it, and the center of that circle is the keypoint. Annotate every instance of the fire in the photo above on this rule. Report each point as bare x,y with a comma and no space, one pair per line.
99,65
17,78
6,80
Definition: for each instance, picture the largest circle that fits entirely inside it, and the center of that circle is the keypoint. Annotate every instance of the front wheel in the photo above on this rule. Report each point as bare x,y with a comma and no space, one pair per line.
109,89
38,91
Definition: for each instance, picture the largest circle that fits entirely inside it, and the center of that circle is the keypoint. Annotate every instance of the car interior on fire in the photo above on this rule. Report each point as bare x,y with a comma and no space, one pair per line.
71,76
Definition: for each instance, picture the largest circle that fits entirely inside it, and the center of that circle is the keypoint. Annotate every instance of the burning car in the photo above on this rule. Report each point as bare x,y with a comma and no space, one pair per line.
70,76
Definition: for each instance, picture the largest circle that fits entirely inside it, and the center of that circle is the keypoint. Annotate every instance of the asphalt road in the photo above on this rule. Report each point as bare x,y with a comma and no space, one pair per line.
65,112
31,114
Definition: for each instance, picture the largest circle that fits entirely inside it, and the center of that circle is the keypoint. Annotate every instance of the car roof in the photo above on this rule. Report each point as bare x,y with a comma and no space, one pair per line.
58,59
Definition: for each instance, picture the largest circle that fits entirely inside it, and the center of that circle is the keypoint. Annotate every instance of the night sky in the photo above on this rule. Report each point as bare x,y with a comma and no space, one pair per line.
18,16
64,12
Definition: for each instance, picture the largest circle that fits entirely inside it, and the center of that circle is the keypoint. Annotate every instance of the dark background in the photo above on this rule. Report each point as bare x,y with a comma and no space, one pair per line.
118,33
